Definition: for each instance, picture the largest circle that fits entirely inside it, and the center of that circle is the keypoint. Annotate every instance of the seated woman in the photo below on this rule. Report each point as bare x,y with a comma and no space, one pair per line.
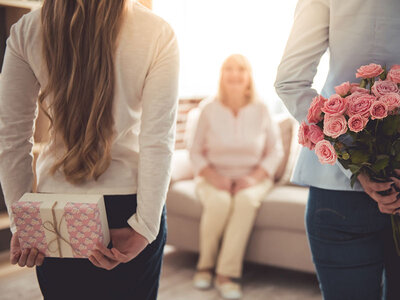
235,151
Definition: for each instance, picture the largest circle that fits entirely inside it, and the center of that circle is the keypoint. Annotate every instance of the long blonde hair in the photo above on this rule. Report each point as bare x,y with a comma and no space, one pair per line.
250,93
79,44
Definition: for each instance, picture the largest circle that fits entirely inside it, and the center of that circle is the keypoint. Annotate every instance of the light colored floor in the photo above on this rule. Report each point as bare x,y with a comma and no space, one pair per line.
259,282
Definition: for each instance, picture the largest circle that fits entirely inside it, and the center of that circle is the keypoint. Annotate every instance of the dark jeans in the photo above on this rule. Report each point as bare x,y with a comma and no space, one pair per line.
346,235
71,278
392,267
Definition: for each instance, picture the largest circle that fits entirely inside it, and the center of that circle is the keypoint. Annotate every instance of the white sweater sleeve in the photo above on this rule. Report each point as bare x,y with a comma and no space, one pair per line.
157,136
307,42
19,90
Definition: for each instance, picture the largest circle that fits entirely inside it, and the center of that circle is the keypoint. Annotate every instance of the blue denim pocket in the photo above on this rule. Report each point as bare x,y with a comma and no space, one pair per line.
343,211
344,228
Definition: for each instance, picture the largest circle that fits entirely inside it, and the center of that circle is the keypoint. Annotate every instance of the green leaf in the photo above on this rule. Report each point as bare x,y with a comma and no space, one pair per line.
390,125
344,163
354,168
346,156
353,179
396,145
358,156
395,165
381,163
383,74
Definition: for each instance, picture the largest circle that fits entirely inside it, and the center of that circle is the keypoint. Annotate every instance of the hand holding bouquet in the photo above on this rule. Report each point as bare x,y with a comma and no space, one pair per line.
359,127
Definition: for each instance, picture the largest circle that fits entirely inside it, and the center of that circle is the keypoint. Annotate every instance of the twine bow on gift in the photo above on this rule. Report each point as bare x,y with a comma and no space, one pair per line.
55,228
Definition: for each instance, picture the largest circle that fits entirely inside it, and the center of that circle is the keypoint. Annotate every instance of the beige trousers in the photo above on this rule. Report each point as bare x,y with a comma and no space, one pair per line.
226,225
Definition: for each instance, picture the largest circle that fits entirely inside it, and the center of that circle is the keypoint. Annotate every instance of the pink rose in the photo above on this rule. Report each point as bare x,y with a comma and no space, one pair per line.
392,101
383,87
315,134
314,112
357,123
369,71
359,103
355,88
394,74
335,126
303,136
379,110
325,152
335,105
343,89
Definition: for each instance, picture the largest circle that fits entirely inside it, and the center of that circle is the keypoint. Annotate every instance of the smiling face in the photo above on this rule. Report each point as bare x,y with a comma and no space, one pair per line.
236,78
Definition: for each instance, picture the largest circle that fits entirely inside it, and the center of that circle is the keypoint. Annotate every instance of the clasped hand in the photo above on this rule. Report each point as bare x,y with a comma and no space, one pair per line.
388,204
127,244
232,186
27,257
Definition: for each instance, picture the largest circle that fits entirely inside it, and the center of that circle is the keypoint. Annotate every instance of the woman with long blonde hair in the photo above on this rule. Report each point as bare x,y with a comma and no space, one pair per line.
105,73
235,151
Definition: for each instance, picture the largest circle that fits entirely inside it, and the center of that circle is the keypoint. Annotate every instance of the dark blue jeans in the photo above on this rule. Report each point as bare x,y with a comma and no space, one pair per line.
392,267
346,235
79,279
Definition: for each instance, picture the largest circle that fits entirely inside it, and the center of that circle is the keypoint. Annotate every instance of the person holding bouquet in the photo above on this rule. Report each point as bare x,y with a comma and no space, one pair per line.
235,151
348,212
106,74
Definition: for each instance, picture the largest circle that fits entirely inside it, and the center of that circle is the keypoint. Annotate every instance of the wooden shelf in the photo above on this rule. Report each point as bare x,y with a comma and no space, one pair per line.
21,4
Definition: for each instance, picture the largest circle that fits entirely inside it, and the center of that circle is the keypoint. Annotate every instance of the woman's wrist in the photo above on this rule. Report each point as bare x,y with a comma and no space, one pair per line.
259,174
206,171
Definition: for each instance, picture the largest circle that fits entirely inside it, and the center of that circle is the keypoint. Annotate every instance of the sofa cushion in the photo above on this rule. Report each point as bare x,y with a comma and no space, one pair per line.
282,208
182,200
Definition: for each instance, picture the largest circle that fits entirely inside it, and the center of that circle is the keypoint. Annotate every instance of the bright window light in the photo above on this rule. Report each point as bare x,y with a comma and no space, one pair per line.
210,30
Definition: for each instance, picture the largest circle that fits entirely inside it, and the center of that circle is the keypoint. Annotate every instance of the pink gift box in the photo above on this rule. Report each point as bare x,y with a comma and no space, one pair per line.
61,225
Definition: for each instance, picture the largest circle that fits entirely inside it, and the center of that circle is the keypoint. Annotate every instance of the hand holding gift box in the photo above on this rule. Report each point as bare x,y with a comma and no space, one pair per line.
61,225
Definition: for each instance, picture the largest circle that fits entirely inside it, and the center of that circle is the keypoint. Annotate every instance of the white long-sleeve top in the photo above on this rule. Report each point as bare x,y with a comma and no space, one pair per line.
236,145
356,33
145,103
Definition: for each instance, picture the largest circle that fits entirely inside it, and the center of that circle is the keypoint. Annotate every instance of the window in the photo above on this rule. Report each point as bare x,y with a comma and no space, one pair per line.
210,30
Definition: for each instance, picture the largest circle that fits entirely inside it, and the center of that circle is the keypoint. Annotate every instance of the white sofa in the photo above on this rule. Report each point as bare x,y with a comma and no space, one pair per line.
278,238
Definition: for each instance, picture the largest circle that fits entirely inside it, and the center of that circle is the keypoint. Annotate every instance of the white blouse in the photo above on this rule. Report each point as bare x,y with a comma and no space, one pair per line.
236,145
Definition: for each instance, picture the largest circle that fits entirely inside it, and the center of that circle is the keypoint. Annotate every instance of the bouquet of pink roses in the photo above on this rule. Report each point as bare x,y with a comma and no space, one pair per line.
359,126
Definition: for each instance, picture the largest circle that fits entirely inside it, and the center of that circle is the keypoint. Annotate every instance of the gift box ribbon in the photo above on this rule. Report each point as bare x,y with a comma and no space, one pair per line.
54,227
